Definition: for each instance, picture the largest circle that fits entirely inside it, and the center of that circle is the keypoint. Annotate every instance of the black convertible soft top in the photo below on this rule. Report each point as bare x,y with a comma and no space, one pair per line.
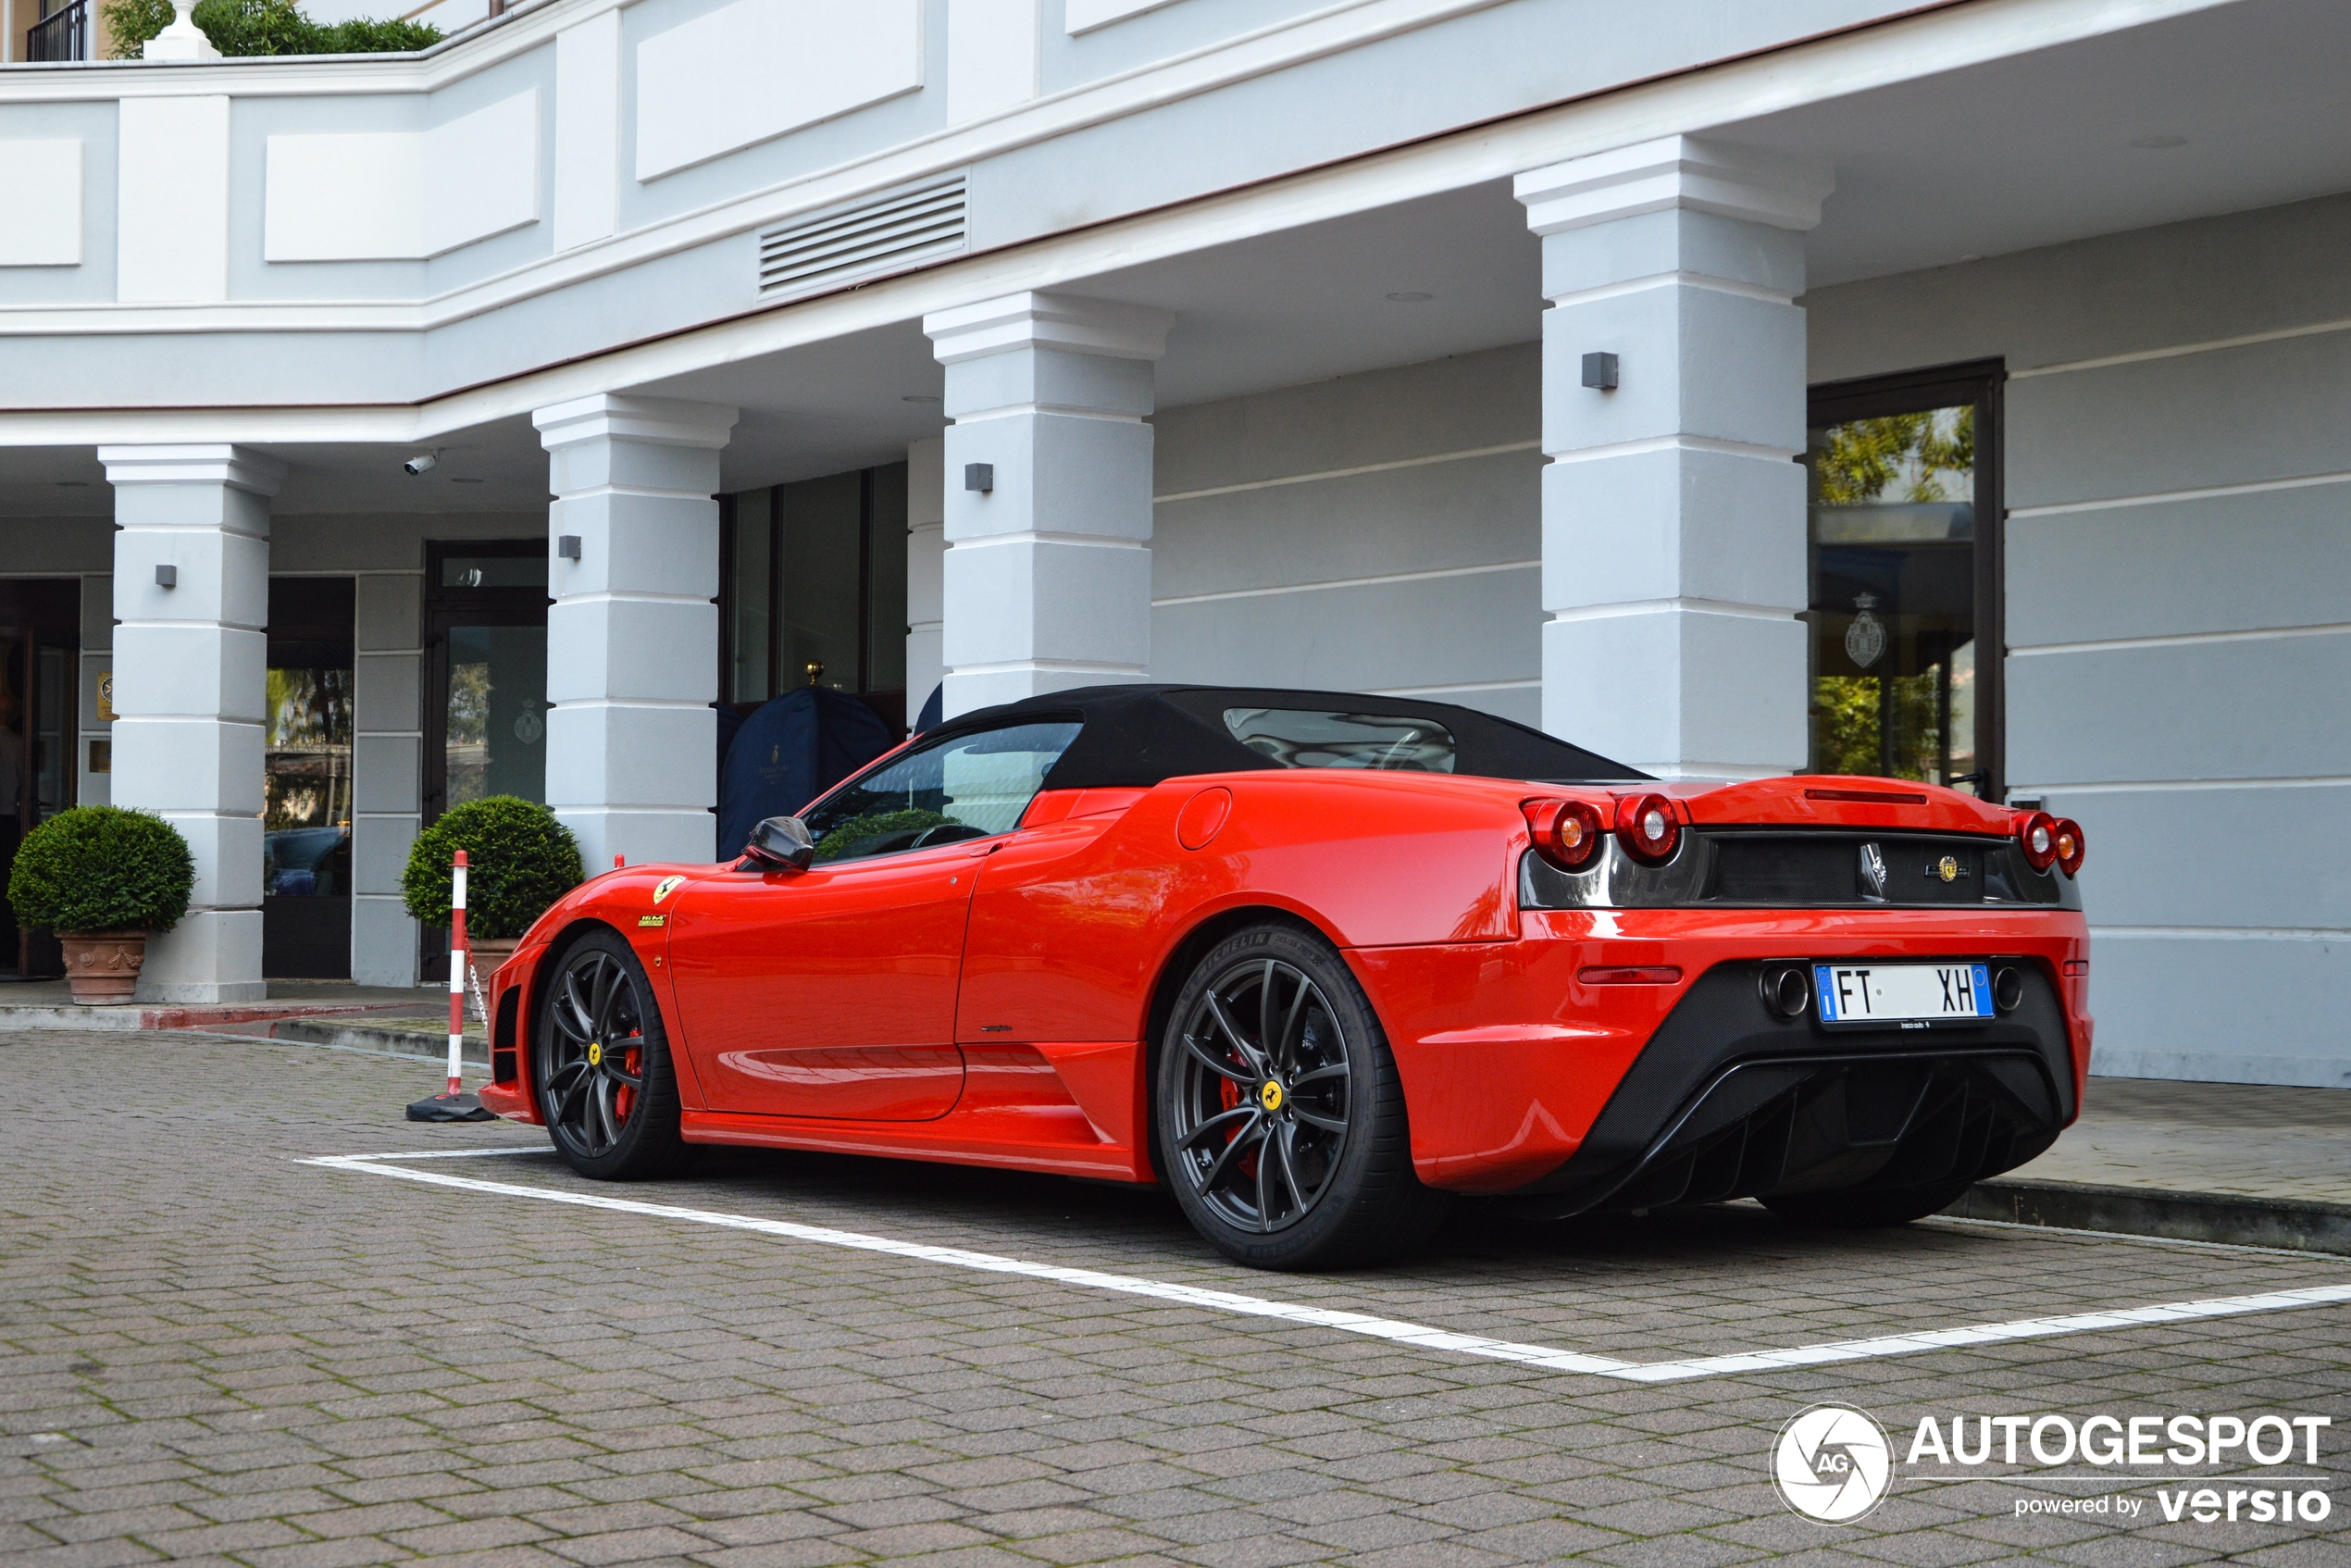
1138,736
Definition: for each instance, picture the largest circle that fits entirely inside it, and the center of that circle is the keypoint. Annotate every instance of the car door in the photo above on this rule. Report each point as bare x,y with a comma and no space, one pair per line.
831,991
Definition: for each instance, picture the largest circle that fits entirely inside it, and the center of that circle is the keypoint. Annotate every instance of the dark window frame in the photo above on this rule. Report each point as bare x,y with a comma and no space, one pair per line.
1981,382
890,704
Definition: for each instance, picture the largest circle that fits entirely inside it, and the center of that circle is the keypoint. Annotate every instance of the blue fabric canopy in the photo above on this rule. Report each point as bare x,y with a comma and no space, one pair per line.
789,751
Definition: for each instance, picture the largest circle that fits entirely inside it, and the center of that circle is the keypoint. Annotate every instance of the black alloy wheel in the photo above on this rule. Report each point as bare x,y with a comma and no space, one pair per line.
1280,1119
601,1063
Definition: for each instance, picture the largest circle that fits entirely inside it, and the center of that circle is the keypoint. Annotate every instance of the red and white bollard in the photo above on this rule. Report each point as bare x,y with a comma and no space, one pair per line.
458,958
455,1104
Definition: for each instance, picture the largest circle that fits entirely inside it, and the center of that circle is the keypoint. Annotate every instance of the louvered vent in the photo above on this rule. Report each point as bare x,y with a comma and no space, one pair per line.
886,234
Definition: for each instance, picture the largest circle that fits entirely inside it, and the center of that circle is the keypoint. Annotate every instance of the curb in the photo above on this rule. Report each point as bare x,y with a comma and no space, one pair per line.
388,1037
137,1017
2288,1224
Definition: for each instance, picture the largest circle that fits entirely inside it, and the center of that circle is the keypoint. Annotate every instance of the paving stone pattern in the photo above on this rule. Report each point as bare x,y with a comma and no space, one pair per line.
2261,1140
209,1352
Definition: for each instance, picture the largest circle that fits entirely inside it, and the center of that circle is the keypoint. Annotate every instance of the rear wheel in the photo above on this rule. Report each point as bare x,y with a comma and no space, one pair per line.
600,1064
1866,1208
1279,1113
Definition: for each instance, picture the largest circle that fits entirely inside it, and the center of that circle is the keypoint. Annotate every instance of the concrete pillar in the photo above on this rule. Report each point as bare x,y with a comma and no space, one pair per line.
633,637
1673,532
387,752
925,569
191,595
1048,574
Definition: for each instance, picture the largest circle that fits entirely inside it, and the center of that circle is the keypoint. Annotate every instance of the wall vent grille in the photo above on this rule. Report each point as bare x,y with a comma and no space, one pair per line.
886,234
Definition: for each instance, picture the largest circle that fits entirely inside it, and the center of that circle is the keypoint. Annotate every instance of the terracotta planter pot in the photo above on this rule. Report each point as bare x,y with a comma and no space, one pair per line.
103,966
488,953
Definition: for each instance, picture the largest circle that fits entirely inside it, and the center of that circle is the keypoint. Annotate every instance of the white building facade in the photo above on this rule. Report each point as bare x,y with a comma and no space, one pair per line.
1956,391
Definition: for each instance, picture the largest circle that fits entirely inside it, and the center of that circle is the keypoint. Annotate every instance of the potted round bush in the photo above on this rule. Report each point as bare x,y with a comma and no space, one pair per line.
519,860
103,880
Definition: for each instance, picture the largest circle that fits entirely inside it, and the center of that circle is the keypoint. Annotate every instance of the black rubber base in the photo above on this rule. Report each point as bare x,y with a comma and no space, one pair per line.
450,1108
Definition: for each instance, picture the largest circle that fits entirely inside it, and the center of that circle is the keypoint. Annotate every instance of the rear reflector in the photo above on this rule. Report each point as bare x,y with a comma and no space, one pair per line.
1875,796
1652,975
2076,968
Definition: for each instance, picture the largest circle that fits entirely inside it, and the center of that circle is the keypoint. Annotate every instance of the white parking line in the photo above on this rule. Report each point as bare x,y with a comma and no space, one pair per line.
1359,1323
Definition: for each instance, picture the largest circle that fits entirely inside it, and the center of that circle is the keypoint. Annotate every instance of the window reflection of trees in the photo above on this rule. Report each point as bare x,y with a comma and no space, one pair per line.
467,735
1917,725
307,780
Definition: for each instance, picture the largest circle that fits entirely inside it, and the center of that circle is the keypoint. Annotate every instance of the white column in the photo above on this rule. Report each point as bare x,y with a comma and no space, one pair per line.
191,595
388,757
1673,532
1048,575
632,638
925,569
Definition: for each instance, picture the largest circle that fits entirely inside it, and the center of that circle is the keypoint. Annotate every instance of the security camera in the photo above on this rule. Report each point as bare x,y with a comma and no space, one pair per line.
422,461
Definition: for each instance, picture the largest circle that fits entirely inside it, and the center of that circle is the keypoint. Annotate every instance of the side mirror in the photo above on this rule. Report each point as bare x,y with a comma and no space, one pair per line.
782,842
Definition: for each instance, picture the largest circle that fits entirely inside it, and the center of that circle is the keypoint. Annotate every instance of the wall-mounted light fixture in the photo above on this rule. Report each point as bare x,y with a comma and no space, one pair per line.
568,546
166,577
1599,371
980,476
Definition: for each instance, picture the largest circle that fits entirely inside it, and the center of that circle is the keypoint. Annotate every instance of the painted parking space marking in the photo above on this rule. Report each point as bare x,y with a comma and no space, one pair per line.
1427,1337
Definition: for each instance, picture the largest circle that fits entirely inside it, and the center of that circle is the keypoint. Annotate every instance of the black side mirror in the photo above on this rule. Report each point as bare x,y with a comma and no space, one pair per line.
782,842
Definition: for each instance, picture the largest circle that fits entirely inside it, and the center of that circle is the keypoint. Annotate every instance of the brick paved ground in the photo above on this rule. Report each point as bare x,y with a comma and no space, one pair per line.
211,1352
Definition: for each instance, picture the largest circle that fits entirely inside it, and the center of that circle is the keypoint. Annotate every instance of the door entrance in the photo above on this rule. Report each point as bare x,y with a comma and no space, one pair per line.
486,683
40,641
1904,527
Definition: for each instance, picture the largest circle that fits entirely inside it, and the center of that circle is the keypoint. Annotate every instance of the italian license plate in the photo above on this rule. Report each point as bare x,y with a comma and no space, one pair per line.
1911,995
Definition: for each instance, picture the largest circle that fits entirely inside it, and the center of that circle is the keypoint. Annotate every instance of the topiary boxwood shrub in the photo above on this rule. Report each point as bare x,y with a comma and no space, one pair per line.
519,860
102,869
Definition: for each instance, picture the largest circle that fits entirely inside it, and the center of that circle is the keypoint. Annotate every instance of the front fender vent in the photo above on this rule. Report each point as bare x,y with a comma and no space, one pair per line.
880,235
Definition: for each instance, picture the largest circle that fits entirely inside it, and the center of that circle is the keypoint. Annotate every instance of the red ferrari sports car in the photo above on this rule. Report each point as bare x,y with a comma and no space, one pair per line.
1320,964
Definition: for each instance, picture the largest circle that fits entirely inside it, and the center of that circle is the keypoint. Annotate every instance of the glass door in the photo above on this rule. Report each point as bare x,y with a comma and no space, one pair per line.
486,683
40,643
1904,554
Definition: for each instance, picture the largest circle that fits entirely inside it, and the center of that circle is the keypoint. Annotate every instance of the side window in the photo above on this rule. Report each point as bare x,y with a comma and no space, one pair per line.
963,787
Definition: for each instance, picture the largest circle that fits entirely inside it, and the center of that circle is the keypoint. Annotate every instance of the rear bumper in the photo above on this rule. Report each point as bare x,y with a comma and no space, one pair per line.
1520,1078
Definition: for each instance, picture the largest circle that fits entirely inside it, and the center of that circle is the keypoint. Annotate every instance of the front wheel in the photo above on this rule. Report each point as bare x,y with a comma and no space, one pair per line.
1280,1117
600,1064
1866,1208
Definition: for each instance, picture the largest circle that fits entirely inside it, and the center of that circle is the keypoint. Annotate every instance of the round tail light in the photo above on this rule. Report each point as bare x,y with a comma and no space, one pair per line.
1645,826
1566,833
2038,834
2069,845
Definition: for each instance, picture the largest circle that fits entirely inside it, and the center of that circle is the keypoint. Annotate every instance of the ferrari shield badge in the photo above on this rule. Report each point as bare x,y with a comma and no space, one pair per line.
1948,868
667,886
1269,1094
1865,639
595,1053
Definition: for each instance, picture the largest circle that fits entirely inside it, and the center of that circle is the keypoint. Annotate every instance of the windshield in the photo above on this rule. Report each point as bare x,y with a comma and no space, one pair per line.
966,787
1312,738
